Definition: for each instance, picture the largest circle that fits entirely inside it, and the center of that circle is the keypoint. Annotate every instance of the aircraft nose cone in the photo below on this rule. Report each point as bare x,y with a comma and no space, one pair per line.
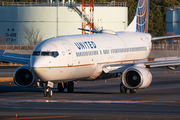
38,62
39,68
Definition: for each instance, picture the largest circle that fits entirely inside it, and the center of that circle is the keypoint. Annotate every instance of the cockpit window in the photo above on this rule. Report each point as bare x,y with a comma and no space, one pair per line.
53,53
36,53
46,53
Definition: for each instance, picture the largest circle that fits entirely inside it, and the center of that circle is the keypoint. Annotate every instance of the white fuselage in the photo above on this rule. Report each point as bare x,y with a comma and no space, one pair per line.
81,57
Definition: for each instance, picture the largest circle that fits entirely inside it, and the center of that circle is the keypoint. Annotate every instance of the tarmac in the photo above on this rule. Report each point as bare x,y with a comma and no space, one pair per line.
6,73
95,100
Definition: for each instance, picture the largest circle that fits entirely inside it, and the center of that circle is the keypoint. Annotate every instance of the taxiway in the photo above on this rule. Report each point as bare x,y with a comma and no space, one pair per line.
96,100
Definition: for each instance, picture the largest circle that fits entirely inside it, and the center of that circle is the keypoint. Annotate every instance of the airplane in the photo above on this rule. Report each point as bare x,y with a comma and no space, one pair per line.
90,57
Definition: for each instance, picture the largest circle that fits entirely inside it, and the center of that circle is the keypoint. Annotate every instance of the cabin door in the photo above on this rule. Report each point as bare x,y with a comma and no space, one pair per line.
69,54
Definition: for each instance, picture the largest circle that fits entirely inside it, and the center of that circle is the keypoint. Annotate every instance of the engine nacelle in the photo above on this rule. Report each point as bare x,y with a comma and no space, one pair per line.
24,78
136,78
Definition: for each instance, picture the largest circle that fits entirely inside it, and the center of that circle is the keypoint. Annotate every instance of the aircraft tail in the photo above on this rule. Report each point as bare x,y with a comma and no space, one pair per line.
141,18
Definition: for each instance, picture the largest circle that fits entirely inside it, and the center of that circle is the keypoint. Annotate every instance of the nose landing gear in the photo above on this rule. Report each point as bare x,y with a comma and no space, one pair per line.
48,92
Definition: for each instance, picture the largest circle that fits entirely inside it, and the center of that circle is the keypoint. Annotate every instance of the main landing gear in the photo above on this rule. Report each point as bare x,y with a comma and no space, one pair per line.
123,89
68,85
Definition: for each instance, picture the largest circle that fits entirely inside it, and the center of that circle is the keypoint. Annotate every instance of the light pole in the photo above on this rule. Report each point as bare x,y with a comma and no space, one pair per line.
124,25
155,28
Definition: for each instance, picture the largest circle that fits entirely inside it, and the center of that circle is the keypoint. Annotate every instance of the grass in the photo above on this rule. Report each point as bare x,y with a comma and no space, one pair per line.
6,79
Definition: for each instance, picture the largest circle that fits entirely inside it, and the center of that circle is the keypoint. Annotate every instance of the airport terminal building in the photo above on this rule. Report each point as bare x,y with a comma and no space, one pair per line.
173,20
56,19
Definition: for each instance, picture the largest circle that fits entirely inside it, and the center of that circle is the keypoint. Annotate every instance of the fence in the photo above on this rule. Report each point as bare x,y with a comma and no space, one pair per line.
175,7
29,4
173,46
17,47
17,3
120,4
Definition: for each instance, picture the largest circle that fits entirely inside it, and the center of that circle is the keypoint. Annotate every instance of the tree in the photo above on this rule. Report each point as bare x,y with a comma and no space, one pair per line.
33,35
131,9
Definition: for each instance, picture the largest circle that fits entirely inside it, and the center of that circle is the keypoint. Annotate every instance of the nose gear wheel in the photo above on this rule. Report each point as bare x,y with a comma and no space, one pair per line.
48,92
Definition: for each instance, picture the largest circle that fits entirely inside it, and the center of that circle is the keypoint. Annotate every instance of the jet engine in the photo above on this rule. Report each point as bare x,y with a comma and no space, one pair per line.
24,78
136,78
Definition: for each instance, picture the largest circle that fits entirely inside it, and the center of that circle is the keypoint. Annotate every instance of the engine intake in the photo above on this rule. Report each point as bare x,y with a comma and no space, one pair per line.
24,78
136,78
133,78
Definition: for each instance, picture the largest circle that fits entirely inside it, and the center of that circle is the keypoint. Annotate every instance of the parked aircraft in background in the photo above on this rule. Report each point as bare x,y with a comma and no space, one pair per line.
88,57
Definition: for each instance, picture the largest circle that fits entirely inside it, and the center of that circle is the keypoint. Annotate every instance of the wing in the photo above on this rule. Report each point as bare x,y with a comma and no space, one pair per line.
165,37
146,63
14,58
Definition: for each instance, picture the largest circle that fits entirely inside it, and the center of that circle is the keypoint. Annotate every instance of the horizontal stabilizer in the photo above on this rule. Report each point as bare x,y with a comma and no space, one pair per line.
14,58
89,30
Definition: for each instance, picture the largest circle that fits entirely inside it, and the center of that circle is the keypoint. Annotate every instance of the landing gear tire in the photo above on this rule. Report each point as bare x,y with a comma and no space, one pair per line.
48,92
61,87
70,87
132,91
45,93
123,89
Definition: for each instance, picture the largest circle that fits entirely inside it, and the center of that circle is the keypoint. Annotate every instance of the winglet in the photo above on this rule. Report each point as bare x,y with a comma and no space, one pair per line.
141,18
